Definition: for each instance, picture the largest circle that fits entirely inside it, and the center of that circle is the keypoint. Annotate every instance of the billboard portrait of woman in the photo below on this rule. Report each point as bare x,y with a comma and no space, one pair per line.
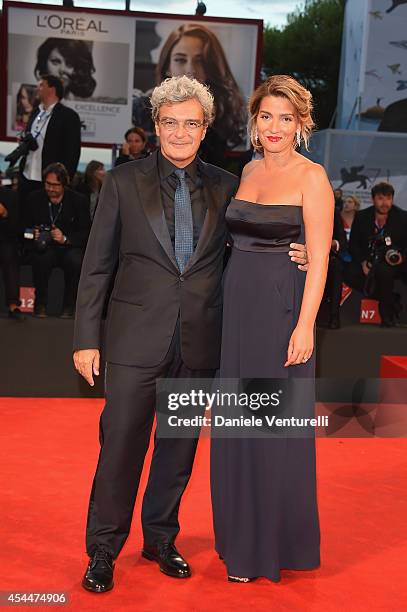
71,61
26,100
195,50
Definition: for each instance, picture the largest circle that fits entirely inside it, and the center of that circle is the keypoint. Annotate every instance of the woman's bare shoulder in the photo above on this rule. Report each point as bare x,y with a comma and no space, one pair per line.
312,169
251,167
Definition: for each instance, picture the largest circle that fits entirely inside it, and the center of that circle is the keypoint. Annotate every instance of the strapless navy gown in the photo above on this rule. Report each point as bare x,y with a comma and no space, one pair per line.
263,490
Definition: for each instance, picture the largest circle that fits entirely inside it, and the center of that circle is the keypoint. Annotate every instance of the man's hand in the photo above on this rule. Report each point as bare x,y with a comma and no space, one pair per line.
299,255
335,246
365,267
87,362
3,212
57,235
125,149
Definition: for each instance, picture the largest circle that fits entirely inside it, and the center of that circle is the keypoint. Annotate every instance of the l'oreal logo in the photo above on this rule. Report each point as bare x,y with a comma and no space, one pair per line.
70,24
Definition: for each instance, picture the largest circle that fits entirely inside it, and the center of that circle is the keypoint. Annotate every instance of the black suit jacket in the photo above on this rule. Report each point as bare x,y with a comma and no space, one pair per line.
73,221
9,227
363,228
62,141
149,292
339,232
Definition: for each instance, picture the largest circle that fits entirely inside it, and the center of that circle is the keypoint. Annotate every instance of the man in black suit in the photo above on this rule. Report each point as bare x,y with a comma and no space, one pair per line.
162,218
9,260
61,222
57,132
336,271
375,231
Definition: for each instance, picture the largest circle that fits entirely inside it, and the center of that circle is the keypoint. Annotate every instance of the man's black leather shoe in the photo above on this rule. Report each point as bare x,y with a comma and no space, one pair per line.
99,574
169,560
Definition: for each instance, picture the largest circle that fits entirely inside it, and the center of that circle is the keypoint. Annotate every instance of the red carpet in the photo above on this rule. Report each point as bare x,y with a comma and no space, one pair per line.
48,452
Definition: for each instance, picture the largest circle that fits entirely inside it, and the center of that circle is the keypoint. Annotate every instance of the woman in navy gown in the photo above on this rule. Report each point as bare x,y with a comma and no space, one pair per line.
264,488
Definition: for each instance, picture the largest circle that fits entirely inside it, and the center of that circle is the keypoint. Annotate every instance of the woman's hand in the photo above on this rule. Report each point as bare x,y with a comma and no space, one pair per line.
301,346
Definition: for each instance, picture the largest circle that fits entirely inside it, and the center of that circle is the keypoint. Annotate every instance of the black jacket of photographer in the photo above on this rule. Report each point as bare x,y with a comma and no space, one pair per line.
73,219
364,228
9,227
62,142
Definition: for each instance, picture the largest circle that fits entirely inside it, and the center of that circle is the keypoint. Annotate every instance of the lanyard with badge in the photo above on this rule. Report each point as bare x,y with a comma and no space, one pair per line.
53,218
380,232
40,122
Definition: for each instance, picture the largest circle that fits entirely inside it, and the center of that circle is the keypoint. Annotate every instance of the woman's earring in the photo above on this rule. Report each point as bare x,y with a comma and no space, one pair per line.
298,136
256,137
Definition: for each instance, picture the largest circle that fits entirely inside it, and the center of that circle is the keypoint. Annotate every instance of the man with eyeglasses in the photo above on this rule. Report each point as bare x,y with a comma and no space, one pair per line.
162,218
58,224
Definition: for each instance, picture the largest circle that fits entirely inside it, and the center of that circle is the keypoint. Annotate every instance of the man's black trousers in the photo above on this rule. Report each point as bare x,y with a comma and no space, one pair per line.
67,258
125,428
385,276
10,266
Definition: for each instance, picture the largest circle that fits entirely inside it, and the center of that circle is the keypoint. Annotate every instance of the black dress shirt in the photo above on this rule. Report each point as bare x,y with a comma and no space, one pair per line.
168,186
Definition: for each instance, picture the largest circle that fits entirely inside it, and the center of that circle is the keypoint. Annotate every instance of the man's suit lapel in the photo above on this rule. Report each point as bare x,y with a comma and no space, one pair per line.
52,123
148,185
31,119
211,184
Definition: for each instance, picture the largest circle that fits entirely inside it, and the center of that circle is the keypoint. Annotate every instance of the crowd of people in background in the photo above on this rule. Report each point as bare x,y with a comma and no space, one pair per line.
47,208
369,249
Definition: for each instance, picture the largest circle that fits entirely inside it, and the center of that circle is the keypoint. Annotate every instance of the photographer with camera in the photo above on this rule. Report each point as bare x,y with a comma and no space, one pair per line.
59,225
53,134
378,246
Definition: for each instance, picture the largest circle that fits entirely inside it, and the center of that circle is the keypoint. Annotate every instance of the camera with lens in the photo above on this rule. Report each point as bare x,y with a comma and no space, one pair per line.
44,236
382,249
28,143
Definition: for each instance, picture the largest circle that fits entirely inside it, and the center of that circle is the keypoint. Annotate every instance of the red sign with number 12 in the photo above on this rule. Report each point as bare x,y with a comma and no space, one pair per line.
27,297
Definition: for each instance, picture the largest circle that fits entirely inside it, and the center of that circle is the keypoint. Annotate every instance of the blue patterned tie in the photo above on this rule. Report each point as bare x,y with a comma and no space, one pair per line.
184,229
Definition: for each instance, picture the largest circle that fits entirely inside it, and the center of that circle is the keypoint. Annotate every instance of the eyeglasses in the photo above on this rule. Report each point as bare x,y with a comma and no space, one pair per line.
52,185
190,125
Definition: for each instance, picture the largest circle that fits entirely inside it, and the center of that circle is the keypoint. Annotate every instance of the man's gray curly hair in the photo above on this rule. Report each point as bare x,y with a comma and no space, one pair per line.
180,89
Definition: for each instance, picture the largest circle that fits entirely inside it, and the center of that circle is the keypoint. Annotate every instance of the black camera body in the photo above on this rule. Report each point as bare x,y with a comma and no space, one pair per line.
381,249
28,143
44,238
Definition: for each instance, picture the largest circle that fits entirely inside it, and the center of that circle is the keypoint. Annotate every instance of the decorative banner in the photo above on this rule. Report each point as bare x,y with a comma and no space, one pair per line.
110,63
92,53
357,160
384,92
222,55
373,76
352,186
